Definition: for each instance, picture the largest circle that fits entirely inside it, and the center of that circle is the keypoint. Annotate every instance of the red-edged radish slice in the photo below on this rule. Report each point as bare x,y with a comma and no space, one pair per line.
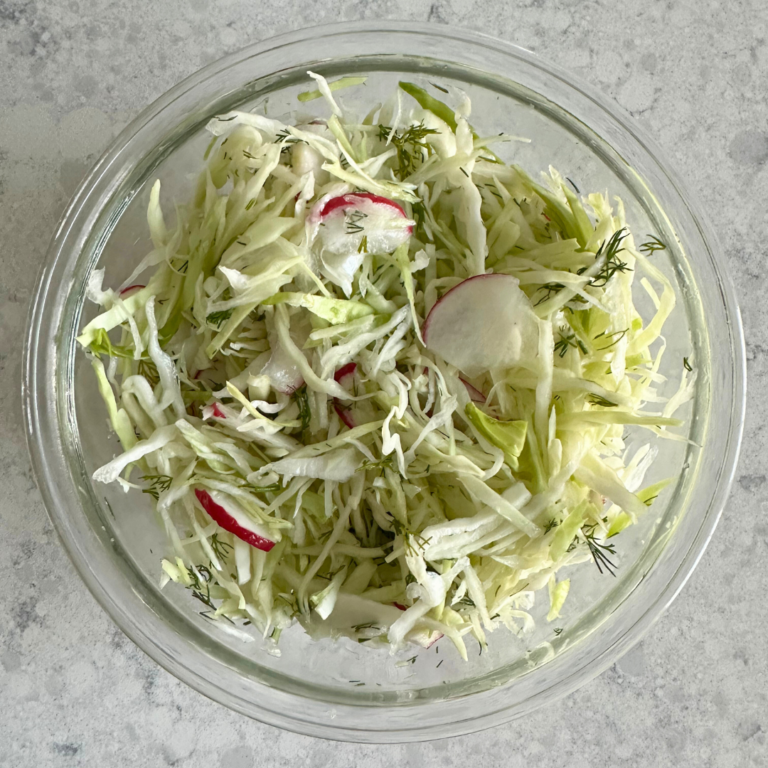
353,414
213,411
130,290
345,413
232,518
358,200
475,395
345,376
484,322
341,223
424,637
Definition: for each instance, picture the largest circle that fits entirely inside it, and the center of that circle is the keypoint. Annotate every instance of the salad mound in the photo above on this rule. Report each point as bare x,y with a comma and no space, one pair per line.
376,379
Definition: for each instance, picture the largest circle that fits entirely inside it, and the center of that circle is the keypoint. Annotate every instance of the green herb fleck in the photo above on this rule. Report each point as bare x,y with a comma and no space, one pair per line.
610,249
653,244
157,484
568,340
217,319
410,145
305,412
601,401
220,548
600,550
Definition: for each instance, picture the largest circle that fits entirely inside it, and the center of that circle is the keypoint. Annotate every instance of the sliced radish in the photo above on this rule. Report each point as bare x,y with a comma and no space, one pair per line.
355,413
340,224
345,374
475,395
213,411
346,377
484,322
232,518
426,638
130,290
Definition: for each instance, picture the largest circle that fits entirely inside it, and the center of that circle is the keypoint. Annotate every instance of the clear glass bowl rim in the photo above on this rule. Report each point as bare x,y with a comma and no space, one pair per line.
42,421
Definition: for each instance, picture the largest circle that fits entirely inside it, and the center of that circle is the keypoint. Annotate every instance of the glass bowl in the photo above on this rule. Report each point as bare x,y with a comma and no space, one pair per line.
344,690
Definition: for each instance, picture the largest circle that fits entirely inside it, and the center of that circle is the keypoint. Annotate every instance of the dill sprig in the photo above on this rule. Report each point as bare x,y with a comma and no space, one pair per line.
220,548
381,465
157,484
353,219
148,370
653,244
599,550
613,264
551,289
305,412
216,319
410,145
601,401
287,139
568,340
553,523
467,601
619,334
409,537
201,589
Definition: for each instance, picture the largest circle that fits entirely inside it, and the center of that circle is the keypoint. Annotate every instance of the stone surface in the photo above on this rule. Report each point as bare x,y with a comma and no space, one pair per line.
75,692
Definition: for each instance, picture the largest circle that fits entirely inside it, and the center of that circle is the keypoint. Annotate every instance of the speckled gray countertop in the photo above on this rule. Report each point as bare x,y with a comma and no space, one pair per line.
75,692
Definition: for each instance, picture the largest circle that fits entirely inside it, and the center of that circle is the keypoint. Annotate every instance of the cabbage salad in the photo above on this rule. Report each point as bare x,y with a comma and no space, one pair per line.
376,379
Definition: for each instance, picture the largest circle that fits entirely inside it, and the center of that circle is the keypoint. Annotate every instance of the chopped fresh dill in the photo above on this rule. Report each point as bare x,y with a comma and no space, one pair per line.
686,364
301,396
217,319
409,537
387,461
612,264
157,484
410,145
618,334
653,244
220,548
568,340
600,551
601,401
551,289
353,219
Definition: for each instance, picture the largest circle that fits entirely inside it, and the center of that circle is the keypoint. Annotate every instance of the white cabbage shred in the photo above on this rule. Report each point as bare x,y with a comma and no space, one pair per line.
399,501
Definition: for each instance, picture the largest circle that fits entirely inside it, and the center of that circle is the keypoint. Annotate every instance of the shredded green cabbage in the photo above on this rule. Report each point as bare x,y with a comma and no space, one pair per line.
280,369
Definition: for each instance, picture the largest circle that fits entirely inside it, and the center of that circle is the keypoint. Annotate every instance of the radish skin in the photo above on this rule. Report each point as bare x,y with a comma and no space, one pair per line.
236,527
